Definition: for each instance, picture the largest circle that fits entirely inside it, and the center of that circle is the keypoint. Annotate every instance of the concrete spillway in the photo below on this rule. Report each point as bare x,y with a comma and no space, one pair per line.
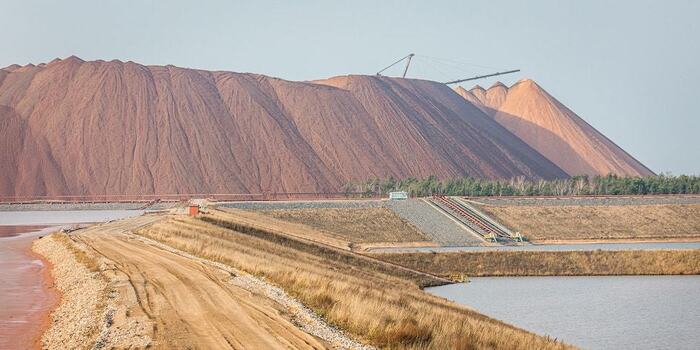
473,218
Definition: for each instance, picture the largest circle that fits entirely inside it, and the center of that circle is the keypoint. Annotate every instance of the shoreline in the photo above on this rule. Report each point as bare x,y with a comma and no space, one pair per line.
614,241
52,293
551,263
28,289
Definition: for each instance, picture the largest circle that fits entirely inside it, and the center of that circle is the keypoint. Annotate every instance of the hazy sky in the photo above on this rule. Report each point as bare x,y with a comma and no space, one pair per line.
629,68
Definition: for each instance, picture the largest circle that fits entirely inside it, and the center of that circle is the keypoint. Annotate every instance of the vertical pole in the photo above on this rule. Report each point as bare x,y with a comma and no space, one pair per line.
408,61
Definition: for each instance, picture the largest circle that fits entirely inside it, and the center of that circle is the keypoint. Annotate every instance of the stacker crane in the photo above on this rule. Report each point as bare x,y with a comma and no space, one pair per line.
408,58
408,62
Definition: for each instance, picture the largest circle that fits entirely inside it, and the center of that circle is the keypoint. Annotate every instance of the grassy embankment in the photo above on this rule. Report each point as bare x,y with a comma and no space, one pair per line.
552,263
375,303
638,222
358,225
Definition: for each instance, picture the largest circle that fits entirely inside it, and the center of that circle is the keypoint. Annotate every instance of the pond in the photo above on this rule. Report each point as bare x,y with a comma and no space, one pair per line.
608,312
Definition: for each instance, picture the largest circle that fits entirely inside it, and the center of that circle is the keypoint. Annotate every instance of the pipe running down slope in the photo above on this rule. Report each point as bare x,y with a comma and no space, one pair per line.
474,219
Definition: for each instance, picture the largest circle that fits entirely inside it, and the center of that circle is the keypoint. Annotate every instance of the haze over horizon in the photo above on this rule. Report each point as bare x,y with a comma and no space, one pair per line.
627,68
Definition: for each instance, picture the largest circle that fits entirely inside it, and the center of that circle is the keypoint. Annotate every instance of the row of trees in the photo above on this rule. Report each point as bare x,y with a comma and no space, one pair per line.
577,185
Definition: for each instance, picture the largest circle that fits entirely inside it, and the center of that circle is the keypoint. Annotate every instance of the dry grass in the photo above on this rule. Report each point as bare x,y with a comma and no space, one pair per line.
270,224
321,250
357,225
553,263
601,222
373,305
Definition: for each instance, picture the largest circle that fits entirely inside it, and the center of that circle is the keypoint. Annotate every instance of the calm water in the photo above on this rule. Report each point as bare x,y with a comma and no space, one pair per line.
612,312
63,217
549,247
24,299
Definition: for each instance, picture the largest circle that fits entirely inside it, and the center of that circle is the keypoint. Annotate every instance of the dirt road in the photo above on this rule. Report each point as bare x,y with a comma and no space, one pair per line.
191,305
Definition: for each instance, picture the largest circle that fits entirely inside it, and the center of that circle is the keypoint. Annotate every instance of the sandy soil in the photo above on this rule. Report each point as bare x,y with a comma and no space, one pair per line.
190,304
77,320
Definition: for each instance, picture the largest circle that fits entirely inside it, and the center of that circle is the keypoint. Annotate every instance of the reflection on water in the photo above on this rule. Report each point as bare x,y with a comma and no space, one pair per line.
12,231
611,312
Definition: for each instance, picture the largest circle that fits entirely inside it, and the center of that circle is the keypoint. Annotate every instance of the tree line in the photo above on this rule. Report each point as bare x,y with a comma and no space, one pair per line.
519,186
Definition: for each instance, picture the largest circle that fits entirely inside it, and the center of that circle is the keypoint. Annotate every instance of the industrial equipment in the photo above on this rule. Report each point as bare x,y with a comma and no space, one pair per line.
408,58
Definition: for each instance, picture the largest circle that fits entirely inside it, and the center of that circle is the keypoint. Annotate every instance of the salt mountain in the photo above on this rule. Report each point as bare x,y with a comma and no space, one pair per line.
553,130
76,127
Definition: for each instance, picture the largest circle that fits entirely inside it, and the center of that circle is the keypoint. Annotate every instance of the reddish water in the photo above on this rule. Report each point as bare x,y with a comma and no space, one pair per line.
11,231
26,289
27,294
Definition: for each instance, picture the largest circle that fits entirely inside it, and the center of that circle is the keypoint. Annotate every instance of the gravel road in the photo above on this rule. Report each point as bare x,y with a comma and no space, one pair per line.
216,314
224,308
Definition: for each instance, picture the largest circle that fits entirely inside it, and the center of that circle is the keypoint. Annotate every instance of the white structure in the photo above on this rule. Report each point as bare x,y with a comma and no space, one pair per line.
398,195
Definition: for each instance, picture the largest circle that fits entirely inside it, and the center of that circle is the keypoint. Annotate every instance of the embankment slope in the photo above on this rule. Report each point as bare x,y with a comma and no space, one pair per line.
594,222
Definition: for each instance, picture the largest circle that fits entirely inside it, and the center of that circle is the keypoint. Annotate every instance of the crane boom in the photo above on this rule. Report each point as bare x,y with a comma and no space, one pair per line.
408,62
482,76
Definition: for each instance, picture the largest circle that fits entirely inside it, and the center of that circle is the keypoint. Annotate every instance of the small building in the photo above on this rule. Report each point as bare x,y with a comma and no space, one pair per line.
400,195
193,210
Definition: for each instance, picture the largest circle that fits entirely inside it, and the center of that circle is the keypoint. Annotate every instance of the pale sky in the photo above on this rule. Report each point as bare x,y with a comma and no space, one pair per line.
629,68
